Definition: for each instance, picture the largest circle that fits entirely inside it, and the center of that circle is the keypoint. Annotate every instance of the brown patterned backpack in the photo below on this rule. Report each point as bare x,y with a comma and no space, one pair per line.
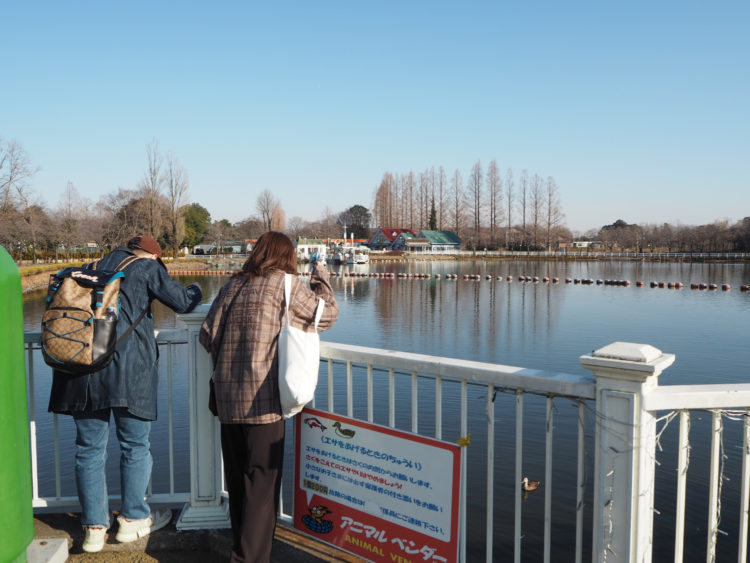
79,325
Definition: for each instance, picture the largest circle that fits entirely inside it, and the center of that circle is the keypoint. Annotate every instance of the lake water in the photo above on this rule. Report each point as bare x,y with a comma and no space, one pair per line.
536,325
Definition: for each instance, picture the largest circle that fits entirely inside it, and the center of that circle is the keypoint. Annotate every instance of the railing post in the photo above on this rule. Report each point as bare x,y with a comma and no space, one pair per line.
625,444
206,508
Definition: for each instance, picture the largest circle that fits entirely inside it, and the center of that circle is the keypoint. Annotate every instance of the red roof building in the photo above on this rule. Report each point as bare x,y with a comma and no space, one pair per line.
384,237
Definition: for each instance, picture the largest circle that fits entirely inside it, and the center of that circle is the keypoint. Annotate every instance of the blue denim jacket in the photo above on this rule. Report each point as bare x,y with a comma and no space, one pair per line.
131,379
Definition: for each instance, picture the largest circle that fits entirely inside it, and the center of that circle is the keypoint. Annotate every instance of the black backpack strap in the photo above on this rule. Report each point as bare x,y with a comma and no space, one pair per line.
131,328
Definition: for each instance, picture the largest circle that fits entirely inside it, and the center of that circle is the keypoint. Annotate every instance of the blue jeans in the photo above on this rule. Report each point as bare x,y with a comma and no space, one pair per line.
92,432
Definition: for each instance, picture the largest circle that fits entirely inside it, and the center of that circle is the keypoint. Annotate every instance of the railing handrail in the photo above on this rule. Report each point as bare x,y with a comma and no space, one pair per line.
529,380
691,397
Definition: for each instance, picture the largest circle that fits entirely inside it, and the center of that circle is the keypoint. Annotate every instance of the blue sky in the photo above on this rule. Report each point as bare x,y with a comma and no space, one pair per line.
639,110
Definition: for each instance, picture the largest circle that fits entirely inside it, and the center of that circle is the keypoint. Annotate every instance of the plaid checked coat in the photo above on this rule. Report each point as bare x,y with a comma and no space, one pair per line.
245,361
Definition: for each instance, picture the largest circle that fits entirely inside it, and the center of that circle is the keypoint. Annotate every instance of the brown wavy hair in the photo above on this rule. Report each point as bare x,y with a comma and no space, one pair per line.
273,251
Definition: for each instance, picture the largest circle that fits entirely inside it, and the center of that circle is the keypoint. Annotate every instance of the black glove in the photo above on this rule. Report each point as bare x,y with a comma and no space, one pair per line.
196,289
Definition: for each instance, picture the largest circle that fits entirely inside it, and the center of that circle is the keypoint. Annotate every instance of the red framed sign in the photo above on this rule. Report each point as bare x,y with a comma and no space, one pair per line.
380,493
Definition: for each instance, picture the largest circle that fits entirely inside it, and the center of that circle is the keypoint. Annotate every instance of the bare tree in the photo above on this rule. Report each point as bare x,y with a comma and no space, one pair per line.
536,200
424,198
15,172
127,215
384,206
177,189
409,187
278,219
250,228
553,208
265,205
15,195
97,227
442,189
151,191
523,187
69,212
509,199
474,193
456,213
495,197
296,227
220,232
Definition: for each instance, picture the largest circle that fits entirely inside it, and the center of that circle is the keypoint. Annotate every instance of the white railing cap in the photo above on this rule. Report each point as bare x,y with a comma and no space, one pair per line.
627,357
629,352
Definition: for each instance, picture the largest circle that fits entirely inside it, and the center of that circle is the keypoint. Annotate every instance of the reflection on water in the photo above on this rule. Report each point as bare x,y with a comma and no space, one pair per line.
537,325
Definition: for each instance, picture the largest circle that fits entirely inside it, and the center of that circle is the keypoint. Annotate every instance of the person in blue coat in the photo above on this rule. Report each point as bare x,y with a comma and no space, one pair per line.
124,390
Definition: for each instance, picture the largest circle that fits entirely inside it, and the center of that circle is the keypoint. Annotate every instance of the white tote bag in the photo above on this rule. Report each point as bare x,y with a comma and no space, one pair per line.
299,360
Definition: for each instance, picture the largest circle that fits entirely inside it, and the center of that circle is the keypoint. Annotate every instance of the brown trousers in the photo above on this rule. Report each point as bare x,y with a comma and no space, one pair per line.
253,463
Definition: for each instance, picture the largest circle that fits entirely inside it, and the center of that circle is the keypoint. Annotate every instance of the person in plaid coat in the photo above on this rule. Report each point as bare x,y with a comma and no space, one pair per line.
241,333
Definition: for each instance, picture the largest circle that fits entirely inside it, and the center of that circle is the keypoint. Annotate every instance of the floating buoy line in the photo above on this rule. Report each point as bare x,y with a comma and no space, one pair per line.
477,277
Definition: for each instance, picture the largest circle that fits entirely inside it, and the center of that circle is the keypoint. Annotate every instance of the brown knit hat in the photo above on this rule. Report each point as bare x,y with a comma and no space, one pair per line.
148,244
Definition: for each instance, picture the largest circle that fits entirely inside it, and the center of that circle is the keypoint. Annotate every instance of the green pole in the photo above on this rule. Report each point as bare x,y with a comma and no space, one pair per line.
16,513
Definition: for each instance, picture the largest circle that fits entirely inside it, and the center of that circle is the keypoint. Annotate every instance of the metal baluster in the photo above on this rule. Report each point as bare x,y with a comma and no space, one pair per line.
682,466
744,500
548,481
414,402
713,494
581,481
32,424
330,385
349,390
490,408
370,406
438,407
462,509
519,468
170,411
391,398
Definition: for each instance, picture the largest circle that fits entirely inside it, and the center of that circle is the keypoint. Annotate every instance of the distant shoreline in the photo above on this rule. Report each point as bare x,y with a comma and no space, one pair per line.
36,280
572,257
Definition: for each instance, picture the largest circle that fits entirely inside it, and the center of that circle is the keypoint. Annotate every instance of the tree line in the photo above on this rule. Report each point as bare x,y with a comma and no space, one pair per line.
490,209
158,206
719,236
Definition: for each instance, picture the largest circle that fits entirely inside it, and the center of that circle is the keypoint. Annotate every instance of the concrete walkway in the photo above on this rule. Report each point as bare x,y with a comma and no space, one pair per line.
171,546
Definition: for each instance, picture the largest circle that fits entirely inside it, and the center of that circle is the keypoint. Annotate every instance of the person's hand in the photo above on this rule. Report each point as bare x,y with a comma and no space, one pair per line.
196,288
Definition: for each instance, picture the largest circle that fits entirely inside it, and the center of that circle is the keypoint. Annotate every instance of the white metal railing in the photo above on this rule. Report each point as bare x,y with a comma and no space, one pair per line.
622,401
168,341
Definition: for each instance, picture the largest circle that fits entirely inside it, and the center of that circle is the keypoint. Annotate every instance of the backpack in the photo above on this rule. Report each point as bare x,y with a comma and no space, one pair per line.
79,325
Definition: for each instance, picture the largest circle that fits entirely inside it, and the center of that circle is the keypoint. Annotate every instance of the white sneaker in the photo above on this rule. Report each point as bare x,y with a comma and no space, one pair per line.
131,530
94,540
